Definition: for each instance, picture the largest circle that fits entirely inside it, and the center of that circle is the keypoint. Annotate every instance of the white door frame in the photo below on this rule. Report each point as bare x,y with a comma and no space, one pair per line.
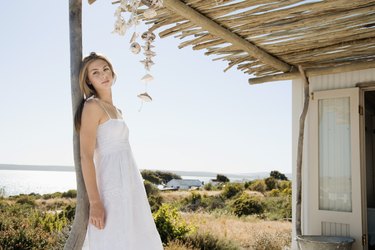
362,89
349,221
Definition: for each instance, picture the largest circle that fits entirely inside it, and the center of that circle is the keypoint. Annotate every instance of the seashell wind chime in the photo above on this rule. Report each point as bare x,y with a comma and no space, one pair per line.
121,26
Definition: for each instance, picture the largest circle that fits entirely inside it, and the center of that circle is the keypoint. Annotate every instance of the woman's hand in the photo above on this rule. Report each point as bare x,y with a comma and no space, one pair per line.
97,214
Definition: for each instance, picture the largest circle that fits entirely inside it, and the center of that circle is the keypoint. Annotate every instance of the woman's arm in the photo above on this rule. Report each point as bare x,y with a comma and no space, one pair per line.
90,120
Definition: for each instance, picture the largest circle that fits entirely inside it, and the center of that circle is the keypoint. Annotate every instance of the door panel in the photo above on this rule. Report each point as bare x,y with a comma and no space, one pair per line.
334,191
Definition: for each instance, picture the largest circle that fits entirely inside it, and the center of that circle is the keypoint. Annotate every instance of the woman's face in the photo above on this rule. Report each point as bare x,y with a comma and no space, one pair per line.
100,75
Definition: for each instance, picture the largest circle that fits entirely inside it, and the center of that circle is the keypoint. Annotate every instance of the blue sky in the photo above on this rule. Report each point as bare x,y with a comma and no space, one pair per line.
200,119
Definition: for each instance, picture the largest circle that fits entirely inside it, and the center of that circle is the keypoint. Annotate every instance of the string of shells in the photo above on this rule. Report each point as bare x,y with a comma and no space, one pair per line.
122,25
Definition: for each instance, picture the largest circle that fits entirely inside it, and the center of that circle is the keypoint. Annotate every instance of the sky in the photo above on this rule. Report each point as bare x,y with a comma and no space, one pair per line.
201,118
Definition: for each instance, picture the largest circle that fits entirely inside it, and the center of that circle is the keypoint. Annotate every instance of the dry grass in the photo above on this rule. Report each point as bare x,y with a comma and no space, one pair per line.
177,245
172,196
248,232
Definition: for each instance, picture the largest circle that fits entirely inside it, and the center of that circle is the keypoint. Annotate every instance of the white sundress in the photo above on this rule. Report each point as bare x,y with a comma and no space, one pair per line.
129,224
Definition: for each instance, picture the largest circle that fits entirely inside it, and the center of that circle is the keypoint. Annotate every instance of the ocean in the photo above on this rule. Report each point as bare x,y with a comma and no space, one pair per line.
14,182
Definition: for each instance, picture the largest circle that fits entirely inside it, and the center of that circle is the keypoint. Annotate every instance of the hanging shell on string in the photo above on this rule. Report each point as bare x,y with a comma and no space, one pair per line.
147,63
120,26
135,48
148,46
147,78
148,36
150,13
134,37
149,53
145,97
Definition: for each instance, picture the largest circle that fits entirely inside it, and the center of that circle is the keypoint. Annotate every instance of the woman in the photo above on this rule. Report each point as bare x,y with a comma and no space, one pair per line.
120,216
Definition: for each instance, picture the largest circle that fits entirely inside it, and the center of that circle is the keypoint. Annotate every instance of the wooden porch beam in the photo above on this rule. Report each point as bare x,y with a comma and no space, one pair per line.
314,72
216,29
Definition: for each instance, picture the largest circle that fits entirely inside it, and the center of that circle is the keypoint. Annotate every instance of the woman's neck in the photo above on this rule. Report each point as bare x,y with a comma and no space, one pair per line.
106,97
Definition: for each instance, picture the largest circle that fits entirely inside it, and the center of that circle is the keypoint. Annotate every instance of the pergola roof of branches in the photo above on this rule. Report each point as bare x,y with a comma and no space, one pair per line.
268,39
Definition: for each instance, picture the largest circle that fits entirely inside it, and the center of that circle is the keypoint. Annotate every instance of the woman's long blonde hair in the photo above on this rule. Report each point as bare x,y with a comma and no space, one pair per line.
88,89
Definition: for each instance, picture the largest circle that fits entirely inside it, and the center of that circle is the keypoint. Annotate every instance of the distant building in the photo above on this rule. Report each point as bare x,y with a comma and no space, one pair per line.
184,184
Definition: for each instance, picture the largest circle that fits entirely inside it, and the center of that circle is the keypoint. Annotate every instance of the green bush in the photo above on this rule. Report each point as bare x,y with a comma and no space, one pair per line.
271,183
155,202
209,242
214,202
192,203
278,176
222,178
232,189
287,192
70,212
170,224
258,185
158,177
247,184
150,188
208,186
24,199
284,184
277,208
72,193
24,227
52,196
274,193
246,205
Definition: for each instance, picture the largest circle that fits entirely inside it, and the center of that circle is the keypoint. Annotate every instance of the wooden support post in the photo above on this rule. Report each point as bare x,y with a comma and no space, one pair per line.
302,120
78,232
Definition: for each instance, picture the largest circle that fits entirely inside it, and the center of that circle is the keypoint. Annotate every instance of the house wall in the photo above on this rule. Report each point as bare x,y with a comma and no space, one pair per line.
317,83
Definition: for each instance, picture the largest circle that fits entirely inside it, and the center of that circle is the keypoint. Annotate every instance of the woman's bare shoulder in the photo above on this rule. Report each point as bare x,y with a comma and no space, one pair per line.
91,109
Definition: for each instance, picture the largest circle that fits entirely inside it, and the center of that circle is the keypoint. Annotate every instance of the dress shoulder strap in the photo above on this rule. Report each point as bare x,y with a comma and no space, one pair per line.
101,105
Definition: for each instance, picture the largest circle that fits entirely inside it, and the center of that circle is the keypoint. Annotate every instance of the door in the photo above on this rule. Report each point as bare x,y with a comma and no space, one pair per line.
334,191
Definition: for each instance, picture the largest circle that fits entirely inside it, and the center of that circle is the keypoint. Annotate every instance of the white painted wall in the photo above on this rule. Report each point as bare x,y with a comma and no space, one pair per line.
317,83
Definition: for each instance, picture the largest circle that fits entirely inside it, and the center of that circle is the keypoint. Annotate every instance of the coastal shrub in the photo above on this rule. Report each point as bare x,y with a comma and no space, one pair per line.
287,192
222,178
278,176
193,202
264,240
150,188
167,176
70,211
24,227
246,205
179,245
214,202
232,189
247,184
52,196
258,185
155,202
284,184
208,186
151,177
278,208
24,199
271,183
208,241
158,177
274,193
170,224
72,193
